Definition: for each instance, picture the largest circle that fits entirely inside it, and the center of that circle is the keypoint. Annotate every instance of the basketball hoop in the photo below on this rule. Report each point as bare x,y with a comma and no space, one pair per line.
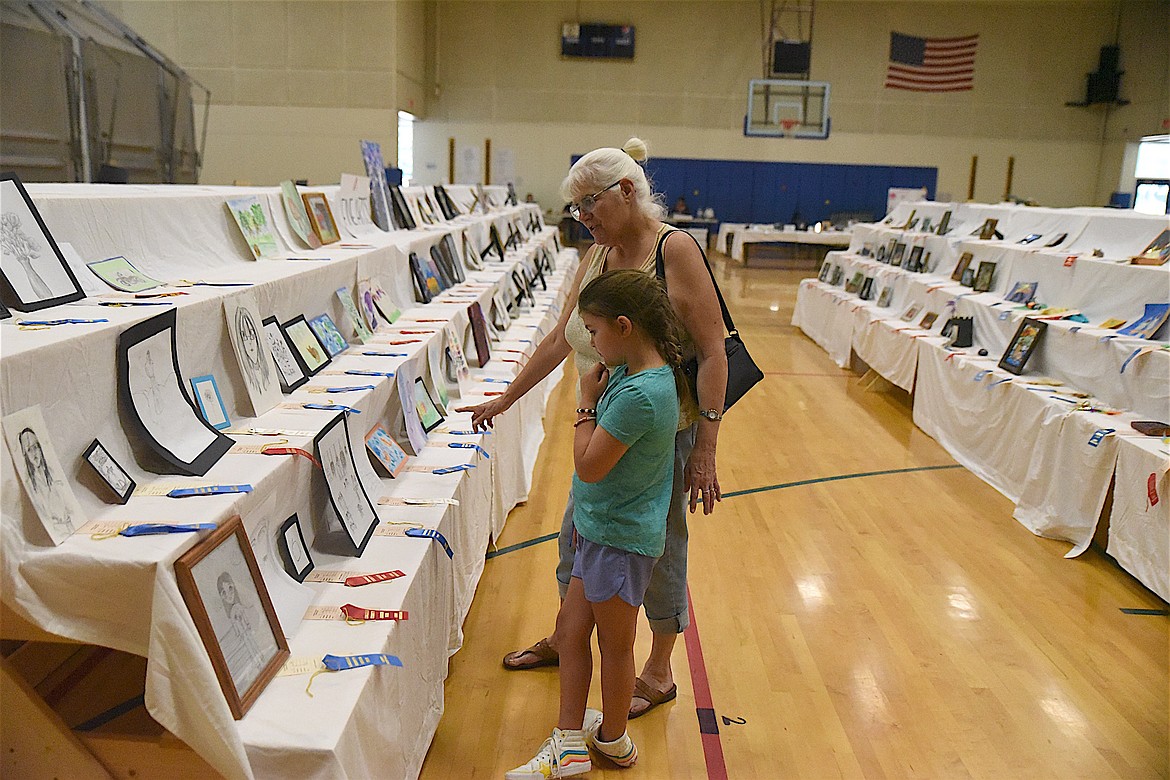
788,124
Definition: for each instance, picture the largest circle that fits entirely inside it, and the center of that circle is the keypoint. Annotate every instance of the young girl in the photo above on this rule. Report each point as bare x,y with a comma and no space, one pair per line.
623,452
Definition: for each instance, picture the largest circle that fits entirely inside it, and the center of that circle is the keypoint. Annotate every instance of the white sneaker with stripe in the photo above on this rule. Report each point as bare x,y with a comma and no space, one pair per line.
564,754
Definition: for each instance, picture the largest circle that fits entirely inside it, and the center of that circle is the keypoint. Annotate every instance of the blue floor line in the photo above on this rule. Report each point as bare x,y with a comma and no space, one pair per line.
549,537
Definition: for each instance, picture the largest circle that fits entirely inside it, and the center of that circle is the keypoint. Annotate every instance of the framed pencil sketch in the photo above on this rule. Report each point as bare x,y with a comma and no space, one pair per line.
961,266
220,582
210,401
304,341
911,312
152,395
388,454
347,495
41,474
294,553
33,270
1022,345
110,471
321,217
253,356
984,277
120,273
328,334
289,367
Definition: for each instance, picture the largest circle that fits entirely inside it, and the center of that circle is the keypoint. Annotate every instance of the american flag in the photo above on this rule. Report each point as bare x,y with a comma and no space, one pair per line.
931,64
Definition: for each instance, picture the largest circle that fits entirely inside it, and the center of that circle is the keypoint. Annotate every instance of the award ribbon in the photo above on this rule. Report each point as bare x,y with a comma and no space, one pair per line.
500,381
466,445
1152,489
328,407
153,529
369,579
356,615
272,431
339,663
380,353
369,372
274,449
431,533
979,377
452,469
401,501
416,332
208,490
63,321
349,389
1132,355
469,433
998,382
1100,434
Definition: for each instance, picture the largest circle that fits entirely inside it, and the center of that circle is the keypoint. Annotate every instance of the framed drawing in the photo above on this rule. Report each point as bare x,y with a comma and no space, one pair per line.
357,322
121,483
422,288
928,320
388,454
911,312
367,306
252,353
120,273
826,269
380,197
250,216
32,268
483,351
968,277
383,303
321,217
987,230
470,256
289,367
854,284
403,217
294,553
944,224
1022,345
1028,239
964,262
897,254
347,495
225,594
294,209
428,413
1149,323
152,395
328,334
210,401
306,345
41,474
1022,292
1057,241
984,277
914,260
885,295
866,292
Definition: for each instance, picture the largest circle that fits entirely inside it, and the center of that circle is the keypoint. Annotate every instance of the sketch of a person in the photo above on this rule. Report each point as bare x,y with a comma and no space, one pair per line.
110,470
44,487
21,246
153,389
255,367
240,650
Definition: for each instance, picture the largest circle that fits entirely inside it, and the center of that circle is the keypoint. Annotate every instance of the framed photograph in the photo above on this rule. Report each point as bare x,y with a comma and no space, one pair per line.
250,216
120,273
289,368
307,346
944,224
914,261
294,209
987,230
898,253
963,264
911,312
294,553
111,473
984,277
41,474
210,401
1022,345
328,334
968,277
428,413
479,333
826,269
253,356
885,295
1149,323
388,454
32,268
225,594
347,495
928,320
152,395
1022,292
854,284
866,292
321,217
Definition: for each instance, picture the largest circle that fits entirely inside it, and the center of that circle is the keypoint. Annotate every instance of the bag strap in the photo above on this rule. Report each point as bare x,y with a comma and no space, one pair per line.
660,272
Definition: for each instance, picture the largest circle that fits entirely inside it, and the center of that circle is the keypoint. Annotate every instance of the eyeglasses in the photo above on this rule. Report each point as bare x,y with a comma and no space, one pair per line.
588,202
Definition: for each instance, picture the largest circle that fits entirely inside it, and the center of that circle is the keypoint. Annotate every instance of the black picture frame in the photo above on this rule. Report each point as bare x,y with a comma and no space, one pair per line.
914,261
348,499
18,250
402,216
120,483
285,385
449,250
479,334
294,552
984,277
291,338
944,224
1027,338
159,329
420,385
897,254
418,274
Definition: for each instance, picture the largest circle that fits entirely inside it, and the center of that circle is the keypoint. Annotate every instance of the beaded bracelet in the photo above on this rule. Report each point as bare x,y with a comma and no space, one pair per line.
587,411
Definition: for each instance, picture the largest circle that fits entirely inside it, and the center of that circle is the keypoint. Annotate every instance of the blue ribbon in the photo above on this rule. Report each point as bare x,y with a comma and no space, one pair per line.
431,533
1132,355
1100,434
151,529
453,469
208,490
980,376
350,389
466,445
369,372
339,663
332,408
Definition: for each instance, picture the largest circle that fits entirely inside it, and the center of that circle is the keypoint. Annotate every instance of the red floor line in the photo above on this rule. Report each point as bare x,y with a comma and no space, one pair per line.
712,746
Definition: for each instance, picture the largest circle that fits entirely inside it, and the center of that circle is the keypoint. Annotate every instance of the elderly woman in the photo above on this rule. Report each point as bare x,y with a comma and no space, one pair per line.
611,196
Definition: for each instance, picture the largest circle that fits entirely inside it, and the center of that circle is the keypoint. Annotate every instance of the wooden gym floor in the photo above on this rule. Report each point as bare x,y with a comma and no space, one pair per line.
848,623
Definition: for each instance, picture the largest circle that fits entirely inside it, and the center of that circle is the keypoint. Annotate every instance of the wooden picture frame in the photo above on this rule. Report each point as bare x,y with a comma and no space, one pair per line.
321,217
984,277
221,584
111,472
33,273
1023,344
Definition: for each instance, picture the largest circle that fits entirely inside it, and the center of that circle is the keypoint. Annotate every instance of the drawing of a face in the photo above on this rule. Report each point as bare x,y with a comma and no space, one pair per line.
227,591
34,459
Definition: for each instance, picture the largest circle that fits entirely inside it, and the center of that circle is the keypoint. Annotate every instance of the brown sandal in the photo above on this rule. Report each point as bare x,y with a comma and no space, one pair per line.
545,654
645,692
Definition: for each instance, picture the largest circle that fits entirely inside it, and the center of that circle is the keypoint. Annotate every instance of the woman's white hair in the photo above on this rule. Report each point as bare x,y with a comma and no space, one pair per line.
602,167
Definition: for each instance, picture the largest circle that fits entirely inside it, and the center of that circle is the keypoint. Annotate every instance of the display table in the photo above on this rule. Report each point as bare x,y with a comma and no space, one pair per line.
1029,441
805,247
122,593
699,227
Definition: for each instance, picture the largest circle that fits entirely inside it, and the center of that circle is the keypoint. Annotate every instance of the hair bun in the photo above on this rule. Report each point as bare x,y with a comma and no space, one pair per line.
636,148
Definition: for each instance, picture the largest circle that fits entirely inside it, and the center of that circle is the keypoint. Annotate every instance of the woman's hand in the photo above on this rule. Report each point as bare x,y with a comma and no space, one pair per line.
700,479
593,383
483,414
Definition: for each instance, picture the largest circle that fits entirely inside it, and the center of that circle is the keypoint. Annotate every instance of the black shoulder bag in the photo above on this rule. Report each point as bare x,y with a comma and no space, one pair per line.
742,372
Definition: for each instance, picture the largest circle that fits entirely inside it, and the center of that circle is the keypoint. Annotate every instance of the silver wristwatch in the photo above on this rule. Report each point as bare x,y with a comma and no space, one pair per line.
714,415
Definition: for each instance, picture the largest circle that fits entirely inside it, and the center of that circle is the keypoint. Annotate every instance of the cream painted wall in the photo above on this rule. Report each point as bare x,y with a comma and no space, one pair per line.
295,84
685,91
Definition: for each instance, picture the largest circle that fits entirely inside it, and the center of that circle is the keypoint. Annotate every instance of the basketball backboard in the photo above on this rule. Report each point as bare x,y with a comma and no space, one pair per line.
786,108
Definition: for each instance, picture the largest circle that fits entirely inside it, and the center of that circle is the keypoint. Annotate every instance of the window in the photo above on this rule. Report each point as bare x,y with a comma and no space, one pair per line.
406,147
1152,193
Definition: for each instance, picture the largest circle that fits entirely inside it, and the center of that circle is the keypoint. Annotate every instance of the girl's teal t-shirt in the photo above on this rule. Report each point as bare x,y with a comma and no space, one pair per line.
627,508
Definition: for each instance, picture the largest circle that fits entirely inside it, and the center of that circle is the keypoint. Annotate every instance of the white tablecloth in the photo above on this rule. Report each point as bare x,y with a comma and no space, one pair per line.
1139,530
